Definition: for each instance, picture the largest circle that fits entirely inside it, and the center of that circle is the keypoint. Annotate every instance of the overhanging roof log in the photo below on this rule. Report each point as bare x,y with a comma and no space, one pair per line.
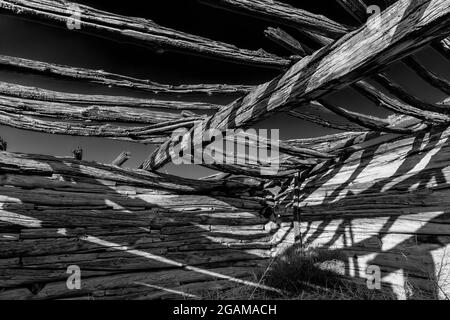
403,28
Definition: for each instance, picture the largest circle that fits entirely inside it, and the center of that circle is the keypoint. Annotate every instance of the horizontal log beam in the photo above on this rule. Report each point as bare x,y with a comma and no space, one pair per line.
33,93
115,80
405,27
95,173
153,134
138,31
66,111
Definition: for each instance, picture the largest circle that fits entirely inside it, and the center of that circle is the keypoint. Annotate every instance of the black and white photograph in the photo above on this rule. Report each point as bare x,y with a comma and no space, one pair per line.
193,151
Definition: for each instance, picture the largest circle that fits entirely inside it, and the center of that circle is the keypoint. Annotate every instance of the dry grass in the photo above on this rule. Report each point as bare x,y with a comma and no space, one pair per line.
313,274
300,274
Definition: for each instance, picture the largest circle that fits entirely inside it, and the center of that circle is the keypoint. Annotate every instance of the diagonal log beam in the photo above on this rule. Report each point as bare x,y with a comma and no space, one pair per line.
121,159
284,14
382,100
114,80
138,31
317,119
404,28
429,76
370,122
358,10
417,108
412,100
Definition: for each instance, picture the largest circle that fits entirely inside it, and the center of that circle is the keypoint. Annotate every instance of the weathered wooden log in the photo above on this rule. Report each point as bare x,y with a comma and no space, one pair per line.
285,40
369,122
323,122
382,100
33,93
121,159
48,166
152,134
414,101
98,113
139,31
284,14
313,76
115,80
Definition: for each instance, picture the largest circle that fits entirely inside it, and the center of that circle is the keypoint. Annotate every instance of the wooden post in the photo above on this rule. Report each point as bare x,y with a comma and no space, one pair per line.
78,153
121,159
3,145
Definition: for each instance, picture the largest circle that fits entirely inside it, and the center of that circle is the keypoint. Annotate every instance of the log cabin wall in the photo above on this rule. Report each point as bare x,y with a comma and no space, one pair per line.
133,234
387,206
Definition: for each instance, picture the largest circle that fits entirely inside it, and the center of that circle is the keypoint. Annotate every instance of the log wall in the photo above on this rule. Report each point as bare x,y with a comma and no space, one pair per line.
133,234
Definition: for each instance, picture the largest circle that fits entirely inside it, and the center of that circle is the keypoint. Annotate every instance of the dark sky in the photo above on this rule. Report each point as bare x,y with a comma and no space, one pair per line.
41,42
